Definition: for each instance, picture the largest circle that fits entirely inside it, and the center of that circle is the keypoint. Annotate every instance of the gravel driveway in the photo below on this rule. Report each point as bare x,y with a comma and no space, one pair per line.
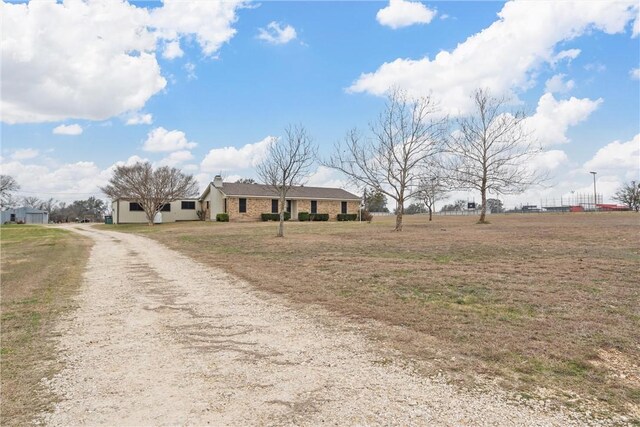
159,339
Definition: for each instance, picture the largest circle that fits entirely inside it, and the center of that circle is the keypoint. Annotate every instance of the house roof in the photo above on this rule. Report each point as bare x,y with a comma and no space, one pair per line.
235,189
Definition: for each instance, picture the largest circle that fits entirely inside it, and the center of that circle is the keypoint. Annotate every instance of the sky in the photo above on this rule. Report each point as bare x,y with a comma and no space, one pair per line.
204,86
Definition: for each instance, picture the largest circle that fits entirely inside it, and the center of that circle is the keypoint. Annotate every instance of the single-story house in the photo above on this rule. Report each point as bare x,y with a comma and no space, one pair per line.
249,201
24,216
243,202
125,211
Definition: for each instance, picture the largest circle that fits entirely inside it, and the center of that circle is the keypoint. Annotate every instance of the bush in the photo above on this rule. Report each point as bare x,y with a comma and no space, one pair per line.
303,216
275,216
347,217
366,216
222,217
318,217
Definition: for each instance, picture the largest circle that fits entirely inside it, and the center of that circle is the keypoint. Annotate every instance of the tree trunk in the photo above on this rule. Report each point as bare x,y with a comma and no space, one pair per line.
150,219
282,209
399,215
483,209
430,213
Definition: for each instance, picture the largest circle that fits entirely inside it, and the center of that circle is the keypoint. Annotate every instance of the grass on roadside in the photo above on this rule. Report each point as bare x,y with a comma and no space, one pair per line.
41,270
548,305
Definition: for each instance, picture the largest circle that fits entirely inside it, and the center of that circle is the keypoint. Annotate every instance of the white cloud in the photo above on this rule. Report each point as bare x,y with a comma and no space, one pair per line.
569,54
89,60
276,33
557,84
549,160
24,154
190,68
160,139
232,158
402,13
635,73
502,57
326,177
176,158
172,50
595,66
73,181
617,157
210,21
552,118
140,119
74,129
191,168
96,59
131,161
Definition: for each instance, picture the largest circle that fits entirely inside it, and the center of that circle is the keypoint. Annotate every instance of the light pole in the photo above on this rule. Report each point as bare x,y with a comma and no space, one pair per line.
595,195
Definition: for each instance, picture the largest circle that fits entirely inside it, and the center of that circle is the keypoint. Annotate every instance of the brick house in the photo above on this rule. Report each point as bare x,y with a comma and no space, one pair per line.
249,201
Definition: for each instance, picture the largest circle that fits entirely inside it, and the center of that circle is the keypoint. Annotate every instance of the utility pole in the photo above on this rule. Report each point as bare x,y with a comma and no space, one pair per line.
595,194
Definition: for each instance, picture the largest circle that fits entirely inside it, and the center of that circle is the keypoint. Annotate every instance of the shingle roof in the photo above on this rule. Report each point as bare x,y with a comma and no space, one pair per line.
302,192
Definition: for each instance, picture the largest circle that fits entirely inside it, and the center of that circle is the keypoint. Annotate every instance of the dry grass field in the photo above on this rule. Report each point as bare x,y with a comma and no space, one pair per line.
41,270
544,305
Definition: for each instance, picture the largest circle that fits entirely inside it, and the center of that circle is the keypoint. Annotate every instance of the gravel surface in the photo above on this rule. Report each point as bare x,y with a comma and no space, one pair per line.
159,339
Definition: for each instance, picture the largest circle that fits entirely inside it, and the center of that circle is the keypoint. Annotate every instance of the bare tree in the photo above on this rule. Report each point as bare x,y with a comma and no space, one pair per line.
430,189
287,164
407,135
246,181
7,186
32,202
491,151
151,189
629,194
48,205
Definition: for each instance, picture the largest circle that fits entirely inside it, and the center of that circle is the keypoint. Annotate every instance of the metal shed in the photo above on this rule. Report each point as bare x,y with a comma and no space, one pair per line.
24,215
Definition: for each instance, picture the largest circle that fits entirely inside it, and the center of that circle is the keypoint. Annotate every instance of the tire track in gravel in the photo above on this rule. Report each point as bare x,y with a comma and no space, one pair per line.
159,339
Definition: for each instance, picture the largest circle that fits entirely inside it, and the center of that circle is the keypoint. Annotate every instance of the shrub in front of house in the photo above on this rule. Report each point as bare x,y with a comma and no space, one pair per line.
303,216
347,217
274,216
318,217
222,217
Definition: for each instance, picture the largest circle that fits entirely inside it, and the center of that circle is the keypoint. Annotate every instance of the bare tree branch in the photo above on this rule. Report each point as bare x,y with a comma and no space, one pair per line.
405,137
430,189
7,186
491,151
287,164
151,189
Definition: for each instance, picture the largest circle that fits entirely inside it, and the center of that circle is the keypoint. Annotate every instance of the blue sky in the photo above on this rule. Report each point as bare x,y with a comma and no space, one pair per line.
76,76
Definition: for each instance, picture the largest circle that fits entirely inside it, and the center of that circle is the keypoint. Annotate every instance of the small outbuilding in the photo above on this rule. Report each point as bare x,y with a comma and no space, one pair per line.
24,216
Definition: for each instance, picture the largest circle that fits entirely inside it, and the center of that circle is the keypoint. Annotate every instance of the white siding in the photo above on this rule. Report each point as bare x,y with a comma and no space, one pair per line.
122,214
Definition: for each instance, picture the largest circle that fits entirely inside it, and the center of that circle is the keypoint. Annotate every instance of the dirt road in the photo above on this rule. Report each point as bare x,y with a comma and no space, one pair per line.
159,339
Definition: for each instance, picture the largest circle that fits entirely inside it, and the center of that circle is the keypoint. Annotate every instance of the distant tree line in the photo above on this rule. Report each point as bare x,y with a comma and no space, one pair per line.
91,209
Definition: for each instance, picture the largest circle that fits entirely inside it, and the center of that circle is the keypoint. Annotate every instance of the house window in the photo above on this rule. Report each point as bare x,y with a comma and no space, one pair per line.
343,208
242,203
314,206
134,206
188,205
225,206
289,206
274,205
166,207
